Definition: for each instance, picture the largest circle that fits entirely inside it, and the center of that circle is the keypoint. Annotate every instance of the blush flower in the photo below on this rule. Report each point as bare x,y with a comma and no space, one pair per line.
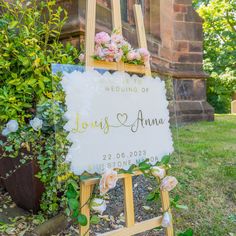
102,38
117,38
158,172
98,205
168,183
119,56
131,55
99,52
82,57
144,53
166,220
108,181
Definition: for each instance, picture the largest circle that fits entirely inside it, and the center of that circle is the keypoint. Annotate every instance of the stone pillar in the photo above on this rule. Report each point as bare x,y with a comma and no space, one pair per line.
181,53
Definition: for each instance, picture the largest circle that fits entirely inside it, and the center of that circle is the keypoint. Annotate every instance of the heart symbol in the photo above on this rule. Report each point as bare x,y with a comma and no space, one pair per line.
122,118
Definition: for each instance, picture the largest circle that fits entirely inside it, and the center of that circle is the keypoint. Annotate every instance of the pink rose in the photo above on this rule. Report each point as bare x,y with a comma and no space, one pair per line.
102,38
117,38
108,181
137,56
166,220
131,55
144,53
82,57
99,51
113,47
111,52
108,54
119,56
168,183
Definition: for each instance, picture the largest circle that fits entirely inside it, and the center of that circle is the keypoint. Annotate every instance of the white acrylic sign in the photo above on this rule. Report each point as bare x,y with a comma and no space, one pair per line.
115,120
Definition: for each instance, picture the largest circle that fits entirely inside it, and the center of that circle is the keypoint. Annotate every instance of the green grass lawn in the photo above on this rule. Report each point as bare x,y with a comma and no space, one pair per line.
205,165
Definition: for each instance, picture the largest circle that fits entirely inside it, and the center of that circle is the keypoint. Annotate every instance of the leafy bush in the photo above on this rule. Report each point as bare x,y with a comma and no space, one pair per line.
219,50
29,43
220,89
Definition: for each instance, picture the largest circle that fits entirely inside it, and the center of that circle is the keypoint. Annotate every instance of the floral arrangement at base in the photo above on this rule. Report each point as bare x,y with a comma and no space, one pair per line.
108,181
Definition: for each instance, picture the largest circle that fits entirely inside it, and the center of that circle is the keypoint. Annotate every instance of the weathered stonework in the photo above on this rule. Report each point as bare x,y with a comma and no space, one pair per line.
174,35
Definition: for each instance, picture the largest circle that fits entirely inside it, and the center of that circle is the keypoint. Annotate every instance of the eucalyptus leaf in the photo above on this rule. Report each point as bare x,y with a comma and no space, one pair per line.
82,219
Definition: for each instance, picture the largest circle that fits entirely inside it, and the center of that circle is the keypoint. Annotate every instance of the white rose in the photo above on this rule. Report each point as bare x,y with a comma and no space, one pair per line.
158,172
168,183
36,124
5,132
108,181
12,126
98,205
166,220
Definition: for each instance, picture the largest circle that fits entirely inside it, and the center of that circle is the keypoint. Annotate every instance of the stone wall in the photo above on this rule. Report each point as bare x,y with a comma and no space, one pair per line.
175,40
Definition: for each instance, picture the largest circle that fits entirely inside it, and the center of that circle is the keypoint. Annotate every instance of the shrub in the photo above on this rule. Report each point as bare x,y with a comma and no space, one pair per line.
29,44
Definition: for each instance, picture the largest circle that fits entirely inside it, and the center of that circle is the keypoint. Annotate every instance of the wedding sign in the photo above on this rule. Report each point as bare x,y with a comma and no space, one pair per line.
115,120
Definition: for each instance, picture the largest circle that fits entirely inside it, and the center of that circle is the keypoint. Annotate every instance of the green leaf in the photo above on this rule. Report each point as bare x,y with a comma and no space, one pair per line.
94,220
176,198
75,213
144,166
150,196
67,211
71,192
184,207
188,232
82,219
9,148
165,160
13,24
73,204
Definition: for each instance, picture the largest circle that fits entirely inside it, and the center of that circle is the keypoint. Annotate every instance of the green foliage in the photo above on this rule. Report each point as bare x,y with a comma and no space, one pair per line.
220,50
29,44
94,220
220,88
205,166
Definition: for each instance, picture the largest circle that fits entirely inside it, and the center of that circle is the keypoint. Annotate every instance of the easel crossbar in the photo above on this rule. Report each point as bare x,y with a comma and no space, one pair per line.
94,181
137,228
131,68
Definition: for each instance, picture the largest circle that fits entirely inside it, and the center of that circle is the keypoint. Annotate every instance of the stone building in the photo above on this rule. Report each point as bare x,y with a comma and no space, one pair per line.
175,40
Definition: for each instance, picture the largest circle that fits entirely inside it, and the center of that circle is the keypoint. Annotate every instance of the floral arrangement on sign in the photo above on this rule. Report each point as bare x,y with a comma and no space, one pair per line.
114,48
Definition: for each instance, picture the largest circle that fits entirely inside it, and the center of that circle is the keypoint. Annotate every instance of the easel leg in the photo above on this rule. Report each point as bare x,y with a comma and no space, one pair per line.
85,193
128,201
166,207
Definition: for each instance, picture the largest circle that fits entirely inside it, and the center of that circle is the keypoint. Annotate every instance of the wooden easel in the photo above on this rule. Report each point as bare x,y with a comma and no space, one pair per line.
86,186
